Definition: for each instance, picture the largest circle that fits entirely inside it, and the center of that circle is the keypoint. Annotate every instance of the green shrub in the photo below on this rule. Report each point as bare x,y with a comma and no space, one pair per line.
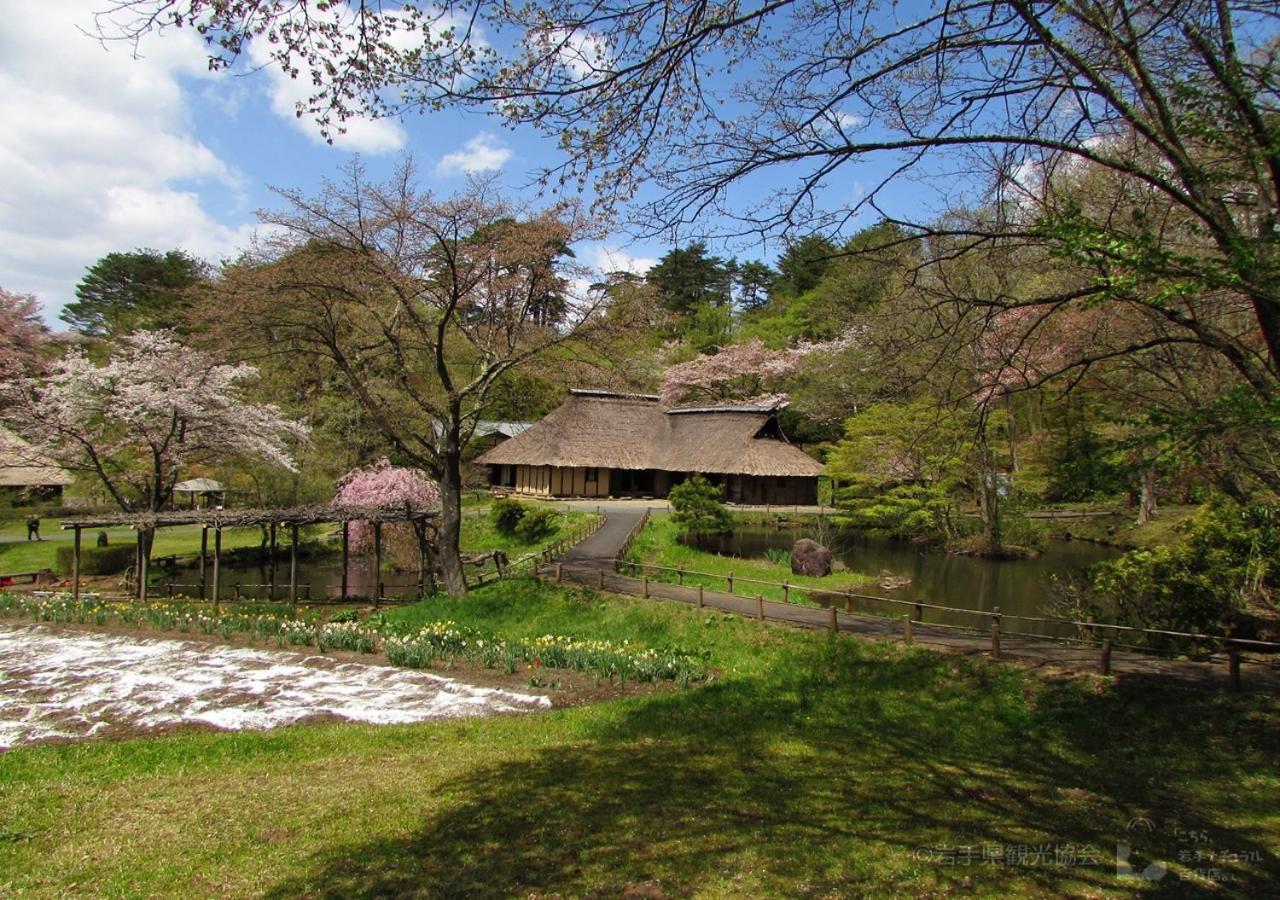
535,525
1215,577
97,560
506,514
696,509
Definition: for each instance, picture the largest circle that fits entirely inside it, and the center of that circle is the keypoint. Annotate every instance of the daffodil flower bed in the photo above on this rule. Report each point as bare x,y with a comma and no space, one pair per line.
445,641
603,659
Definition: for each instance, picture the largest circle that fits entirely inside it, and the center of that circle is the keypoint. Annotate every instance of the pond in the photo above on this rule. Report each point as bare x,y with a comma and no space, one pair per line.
1017,586
317,579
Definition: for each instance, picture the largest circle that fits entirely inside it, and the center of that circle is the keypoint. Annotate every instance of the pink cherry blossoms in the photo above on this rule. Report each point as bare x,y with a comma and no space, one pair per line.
382,484
156,409
744,372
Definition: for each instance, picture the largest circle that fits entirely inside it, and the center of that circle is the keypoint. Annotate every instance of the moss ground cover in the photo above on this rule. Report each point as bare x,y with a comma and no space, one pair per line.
810,766
657,545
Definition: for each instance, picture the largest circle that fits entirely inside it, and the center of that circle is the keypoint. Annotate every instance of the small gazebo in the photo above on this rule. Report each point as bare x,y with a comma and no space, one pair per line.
422,518
212,492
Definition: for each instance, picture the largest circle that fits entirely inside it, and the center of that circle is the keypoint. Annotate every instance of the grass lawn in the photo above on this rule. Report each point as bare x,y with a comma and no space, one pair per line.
812,765
20,555
657,545
480,536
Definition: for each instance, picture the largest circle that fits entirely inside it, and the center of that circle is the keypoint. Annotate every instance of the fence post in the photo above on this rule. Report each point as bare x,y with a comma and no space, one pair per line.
760,607
680,577
907,637
646,587
919,613
237,590
1233,669
786,592
699,596
600,586
995,632
835,618
1104,662
559,572
730,579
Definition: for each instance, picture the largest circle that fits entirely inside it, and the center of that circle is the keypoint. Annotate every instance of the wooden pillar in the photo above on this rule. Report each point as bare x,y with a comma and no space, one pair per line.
204,552
75,565
995,632
377,563
293,564
271,554
1233,669
142,568
1104,661
835,618
346,556
907,637
217,563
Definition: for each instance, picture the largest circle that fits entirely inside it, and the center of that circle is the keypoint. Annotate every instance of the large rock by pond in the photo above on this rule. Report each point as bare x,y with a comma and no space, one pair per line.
808,557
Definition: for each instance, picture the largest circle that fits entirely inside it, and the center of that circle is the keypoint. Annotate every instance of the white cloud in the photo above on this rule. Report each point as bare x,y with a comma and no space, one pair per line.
483,153
97,151
605,259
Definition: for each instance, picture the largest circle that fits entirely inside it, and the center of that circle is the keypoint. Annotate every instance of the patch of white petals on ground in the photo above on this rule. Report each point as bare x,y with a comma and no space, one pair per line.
60,684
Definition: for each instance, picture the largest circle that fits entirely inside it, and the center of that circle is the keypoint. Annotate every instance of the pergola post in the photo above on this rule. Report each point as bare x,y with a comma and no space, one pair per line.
377,563
217,559
420,531
293,564
272,554
204,552
142,568
346,555
75,566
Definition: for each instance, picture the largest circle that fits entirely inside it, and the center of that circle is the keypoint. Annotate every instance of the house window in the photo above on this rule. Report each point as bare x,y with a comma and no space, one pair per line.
593,475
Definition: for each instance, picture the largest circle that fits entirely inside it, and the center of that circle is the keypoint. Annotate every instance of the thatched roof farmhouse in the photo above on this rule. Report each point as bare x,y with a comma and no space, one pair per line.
601,444
25,474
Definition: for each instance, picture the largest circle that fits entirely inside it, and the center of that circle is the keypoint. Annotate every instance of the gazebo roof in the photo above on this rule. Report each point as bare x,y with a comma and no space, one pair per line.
231,518
199,486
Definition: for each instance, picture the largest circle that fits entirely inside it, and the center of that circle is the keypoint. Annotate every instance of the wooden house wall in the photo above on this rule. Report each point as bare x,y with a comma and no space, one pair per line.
556,481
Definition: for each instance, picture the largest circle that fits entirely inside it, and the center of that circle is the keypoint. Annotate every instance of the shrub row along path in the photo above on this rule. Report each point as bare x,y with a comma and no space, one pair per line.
585,562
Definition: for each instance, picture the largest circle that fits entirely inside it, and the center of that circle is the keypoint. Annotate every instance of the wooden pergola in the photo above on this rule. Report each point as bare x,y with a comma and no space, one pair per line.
294,518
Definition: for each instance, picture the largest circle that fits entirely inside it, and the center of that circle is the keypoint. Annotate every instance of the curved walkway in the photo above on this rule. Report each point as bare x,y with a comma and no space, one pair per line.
591,563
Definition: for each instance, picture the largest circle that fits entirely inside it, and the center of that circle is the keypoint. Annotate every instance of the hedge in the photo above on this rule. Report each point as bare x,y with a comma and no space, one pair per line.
97,560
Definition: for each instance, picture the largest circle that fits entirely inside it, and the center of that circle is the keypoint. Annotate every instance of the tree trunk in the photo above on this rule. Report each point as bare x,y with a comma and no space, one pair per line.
451,512
1147,504
988,490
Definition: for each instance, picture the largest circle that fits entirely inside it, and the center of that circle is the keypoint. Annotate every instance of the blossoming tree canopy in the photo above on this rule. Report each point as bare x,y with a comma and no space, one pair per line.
22,334
743,372
380,485
155,408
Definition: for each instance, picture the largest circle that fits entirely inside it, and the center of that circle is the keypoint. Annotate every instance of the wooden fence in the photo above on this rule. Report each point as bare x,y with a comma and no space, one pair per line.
1100,635
532,563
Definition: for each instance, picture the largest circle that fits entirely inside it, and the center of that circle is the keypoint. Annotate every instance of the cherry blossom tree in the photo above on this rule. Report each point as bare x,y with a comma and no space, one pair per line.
383,484
22,335
155,409
744,373
421,305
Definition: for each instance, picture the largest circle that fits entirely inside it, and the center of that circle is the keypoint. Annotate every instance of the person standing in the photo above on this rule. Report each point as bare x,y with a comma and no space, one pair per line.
33,528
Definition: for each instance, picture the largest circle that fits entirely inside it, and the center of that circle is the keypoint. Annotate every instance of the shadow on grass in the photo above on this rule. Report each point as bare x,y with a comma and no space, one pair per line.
829,775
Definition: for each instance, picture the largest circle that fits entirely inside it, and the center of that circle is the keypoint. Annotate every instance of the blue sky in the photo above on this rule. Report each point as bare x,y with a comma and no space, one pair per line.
104,152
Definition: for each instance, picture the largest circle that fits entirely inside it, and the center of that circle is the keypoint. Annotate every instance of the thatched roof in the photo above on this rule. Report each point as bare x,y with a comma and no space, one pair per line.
634,431
20,466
